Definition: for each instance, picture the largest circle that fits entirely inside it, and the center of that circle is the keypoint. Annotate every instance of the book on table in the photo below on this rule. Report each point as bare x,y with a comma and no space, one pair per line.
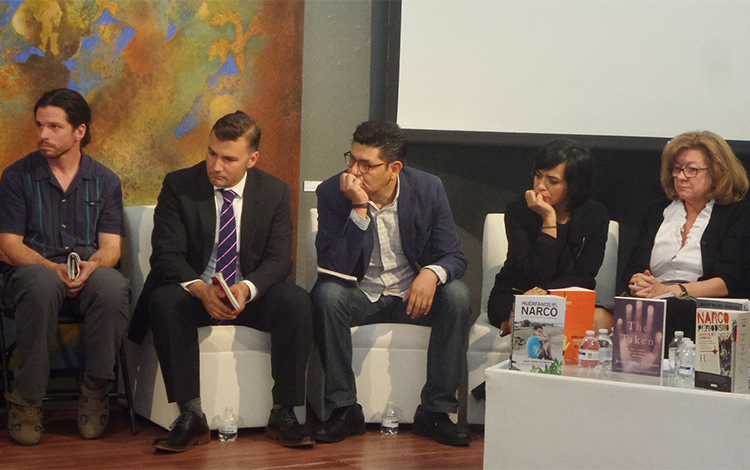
722,345
538,332
638,335
579,317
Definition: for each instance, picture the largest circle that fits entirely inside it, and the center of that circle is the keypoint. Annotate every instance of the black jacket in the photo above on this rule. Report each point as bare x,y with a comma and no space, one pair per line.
537,259
723,244
185,227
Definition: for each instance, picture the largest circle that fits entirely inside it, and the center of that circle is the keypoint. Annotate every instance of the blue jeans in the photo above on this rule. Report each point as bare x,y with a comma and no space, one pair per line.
338,307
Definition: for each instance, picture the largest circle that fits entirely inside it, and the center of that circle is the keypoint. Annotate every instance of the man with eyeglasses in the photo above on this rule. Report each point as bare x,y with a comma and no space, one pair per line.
391,228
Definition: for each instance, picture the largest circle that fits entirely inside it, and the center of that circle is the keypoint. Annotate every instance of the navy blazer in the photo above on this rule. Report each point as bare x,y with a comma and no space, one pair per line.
428,234
185,230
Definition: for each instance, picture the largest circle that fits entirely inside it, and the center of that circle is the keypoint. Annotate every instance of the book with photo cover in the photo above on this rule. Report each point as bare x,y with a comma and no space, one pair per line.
638,335
722,349
538,332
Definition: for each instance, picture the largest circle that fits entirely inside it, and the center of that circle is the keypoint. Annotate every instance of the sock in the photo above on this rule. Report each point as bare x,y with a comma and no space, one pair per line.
194,405
94,383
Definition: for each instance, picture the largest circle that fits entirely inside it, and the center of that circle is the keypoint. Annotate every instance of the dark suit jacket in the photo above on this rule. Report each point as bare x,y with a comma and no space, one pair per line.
185,227
723,245
536,259
428,234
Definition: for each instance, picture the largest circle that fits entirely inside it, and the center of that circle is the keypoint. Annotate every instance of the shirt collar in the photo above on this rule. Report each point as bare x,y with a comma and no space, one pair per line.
239,188
43,171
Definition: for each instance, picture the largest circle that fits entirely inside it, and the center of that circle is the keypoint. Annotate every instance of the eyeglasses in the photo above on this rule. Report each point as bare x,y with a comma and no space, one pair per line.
362,166
690,171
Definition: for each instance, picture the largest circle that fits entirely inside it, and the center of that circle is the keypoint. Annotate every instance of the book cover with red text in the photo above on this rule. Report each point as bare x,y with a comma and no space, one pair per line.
722,349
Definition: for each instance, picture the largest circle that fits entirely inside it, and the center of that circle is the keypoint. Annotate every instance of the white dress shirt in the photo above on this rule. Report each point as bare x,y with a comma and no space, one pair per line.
670,261
389,272
210,270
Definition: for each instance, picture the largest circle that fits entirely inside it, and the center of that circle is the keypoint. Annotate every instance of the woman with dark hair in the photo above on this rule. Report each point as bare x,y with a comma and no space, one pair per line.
556,233
694,240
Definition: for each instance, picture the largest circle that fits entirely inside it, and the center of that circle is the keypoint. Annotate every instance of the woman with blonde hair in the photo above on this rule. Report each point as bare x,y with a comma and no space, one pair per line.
692,242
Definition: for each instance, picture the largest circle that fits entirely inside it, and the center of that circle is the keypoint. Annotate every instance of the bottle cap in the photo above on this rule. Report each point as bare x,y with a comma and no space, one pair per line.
603,331
679,333
590,332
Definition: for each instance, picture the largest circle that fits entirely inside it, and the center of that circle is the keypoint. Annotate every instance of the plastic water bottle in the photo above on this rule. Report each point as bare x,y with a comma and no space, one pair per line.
605,350
687,365
673,345
389,424
588,352
228,425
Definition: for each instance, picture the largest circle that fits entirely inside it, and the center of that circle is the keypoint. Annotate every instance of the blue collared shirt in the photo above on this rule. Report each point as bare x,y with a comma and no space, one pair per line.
54,222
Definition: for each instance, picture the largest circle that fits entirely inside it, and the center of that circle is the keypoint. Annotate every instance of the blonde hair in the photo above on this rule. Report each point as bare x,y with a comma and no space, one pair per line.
730,183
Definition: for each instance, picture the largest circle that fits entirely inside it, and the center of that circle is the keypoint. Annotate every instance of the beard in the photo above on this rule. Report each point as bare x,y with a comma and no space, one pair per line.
52,151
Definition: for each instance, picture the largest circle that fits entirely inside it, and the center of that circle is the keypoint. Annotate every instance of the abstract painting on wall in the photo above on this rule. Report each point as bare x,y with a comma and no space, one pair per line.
157,74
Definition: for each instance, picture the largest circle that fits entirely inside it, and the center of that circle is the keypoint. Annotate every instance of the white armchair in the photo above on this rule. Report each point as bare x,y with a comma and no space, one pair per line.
389,362
486,347
235,360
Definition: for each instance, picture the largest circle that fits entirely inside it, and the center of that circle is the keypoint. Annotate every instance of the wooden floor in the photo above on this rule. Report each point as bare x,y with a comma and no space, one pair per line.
63,448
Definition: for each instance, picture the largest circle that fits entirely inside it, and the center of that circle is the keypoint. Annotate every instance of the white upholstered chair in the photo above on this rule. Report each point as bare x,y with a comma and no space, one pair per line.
235,361
486,347
389,362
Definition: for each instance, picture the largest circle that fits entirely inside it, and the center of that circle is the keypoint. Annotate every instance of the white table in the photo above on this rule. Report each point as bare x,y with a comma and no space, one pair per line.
542,421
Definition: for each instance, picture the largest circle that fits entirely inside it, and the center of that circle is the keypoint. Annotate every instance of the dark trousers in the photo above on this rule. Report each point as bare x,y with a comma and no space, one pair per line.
36,295
338,307
284,310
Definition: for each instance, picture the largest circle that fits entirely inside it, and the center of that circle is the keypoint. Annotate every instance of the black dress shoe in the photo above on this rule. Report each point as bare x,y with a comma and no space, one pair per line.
439,427
188,429
344,422
283,427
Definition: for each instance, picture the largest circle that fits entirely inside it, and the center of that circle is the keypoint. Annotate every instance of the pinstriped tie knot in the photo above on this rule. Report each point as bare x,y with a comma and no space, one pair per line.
226,252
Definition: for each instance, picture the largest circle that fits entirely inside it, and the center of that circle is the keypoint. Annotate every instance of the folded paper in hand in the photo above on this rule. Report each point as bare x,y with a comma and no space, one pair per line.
74,266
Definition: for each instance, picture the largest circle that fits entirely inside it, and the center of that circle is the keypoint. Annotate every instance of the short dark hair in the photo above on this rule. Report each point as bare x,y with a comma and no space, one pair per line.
236,125
386,136
579,168
537,326
75,106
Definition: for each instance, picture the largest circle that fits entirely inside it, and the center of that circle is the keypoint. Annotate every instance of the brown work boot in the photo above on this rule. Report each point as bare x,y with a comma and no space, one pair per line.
24,419
93,411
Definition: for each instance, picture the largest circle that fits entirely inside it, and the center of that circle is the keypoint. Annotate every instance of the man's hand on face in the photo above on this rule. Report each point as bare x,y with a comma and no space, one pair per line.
352,188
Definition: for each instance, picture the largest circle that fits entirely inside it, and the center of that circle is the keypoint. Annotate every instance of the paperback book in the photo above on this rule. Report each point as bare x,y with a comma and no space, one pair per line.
722,349
538,332
638,335
580,305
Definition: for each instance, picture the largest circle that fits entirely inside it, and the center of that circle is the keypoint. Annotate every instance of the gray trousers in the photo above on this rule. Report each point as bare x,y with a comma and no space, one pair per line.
338,307
36,295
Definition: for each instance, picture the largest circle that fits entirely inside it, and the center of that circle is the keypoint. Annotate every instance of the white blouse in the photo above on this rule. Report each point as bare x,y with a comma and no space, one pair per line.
670,261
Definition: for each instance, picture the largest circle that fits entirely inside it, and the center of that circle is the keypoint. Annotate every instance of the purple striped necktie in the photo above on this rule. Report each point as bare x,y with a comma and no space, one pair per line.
226,252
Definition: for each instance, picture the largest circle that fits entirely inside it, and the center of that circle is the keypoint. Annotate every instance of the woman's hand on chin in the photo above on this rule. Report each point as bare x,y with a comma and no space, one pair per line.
537,204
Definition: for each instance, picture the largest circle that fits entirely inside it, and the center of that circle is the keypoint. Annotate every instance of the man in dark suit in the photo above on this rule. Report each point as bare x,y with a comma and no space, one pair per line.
225,216
390,227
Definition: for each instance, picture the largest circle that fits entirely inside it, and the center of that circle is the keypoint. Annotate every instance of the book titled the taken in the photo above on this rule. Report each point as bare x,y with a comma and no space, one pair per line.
638,335
722,349
230,300
538,332
579,317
